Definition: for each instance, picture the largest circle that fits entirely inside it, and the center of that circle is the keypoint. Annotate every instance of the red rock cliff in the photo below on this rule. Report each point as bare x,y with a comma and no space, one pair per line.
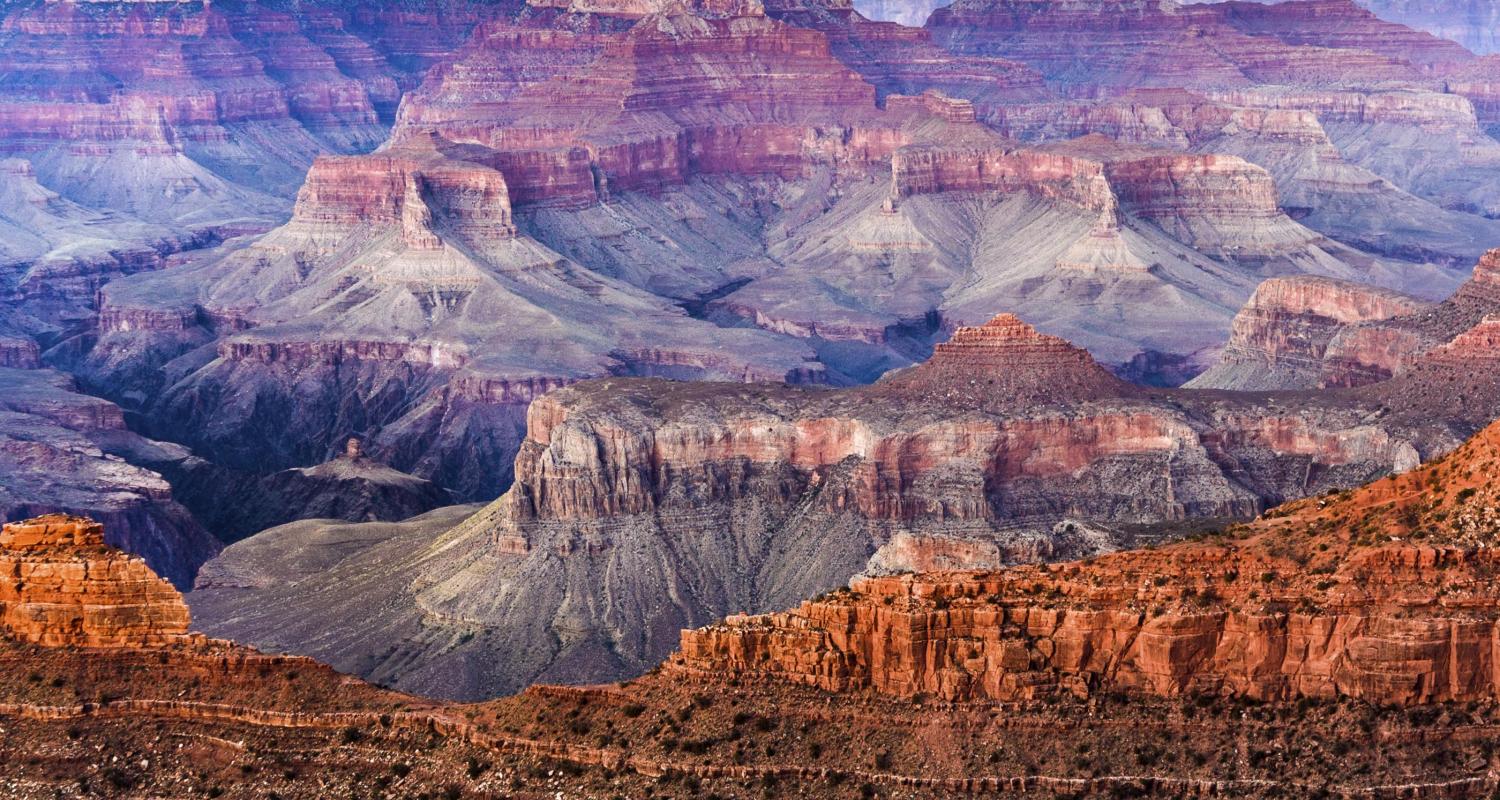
1379,593
61,586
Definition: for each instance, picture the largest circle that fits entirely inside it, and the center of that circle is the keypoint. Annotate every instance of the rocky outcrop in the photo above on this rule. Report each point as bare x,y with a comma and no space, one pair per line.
1301,331
1018,366
1376,594
1307,332
60,586
1007,446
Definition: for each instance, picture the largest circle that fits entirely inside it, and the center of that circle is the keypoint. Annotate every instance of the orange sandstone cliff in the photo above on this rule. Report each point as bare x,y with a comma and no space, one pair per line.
1383,593
61,586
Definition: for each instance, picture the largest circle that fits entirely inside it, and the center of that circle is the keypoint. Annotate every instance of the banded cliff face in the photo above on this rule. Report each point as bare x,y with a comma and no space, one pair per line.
1378,593
1007,446
1297,328
400,305
730,89
1312,332
60,586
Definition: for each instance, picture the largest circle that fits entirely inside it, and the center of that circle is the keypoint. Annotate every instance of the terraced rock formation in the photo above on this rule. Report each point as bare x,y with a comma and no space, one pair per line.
1161,714
1470,23
63,588
1007,446
1311,332
1381,593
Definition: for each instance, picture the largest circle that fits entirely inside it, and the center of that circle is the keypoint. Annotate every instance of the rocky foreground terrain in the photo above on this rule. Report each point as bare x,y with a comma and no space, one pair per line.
1335,647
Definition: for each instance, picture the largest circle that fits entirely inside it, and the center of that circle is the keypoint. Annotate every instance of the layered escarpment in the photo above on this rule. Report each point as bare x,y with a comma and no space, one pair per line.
401,304
1299,330
60,586
1312,332
1378,593
1007,446
680,93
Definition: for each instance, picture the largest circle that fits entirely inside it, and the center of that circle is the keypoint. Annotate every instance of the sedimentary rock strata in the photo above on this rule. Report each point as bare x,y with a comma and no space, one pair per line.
1300,329
1379,594
63,451
62,587
1008,445
1311,332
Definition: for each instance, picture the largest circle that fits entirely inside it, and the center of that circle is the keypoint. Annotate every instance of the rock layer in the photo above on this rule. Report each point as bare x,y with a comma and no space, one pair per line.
1008,446
1324,598
63,451
62,587
1311,332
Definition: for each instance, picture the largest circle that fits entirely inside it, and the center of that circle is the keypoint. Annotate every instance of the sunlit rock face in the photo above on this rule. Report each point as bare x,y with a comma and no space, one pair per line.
1007,446
1300,333
61,586
1318,599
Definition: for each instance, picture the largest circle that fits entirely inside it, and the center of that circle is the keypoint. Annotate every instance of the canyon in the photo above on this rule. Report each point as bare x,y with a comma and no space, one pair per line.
1338,645
1303,602
634,230
463,346
1006,446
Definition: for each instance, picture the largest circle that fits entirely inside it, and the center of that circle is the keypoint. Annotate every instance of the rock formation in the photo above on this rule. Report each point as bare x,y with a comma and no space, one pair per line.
1007,446
62,587
1378,593
1289,329
350,487
1317,650
1311,332
65,451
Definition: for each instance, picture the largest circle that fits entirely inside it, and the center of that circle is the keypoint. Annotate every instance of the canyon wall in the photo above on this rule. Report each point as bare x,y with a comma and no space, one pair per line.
1320,599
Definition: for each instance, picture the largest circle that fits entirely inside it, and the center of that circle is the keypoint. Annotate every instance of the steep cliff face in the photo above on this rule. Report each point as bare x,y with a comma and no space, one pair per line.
1308,332
62,587
401,306
1395,105
372,313
1377,593
1302,332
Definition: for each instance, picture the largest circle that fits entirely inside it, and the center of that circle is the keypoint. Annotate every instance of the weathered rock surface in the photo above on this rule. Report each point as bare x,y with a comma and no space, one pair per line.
1378,593
1372,90
60,586
1289,329
1311,332
62,451
1007,446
